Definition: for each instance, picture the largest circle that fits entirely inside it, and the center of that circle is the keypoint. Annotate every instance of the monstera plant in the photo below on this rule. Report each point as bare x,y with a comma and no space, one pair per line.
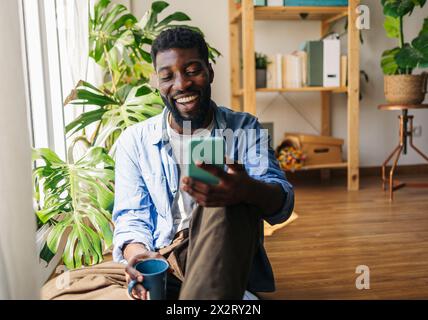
398,63
74,199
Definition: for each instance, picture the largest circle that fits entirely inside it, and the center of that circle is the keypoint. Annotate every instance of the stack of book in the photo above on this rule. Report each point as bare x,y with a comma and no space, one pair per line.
318,64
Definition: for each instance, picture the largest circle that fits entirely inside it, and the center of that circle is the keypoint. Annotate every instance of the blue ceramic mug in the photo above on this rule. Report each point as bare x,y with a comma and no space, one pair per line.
154,278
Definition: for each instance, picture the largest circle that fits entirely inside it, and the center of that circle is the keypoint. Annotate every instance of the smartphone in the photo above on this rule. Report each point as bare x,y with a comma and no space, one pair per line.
209,150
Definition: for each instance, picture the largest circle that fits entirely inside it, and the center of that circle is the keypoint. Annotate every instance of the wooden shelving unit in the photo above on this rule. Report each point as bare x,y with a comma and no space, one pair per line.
242,45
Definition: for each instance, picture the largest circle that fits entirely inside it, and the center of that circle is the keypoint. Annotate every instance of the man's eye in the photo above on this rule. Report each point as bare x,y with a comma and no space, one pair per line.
193,72
165,77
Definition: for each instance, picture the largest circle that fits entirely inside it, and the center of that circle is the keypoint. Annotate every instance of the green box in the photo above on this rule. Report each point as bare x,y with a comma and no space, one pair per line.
315,51
259,2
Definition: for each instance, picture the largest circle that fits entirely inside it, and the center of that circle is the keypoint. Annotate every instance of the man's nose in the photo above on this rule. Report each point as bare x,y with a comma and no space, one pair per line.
181,83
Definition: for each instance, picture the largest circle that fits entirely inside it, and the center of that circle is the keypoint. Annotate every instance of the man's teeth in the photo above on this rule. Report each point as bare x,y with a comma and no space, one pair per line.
187,99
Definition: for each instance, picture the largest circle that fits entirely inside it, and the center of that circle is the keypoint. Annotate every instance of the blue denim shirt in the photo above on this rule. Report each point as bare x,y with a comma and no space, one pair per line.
147,179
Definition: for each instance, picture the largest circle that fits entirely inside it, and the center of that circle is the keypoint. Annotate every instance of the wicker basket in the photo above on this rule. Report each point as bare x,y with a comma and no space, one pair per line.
405,89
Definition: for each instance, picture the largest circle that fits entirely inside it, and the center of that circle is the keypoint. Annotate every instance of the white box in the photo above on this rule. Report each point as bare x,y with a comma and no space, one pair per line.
331,67
275,3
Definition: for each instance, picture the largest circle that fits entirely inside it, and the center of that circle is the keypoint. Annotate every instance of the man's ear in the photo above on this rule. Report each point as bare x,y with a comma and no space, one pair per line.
154,80
211,71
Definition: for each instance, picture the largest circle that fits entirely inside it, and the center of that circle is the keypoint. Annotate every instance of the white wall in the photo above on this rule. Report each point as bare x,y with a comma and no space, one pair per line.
379,129
19,273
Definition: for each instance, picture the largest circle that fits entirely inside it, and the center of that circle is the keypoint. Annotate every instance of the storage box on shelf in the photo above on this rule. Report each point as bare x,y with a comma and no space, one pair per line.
318,150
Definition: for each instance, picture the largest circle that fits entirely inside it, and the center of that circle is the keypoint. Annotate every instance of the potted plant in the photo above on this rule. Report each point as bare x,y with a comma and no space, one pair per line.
261,70
398,64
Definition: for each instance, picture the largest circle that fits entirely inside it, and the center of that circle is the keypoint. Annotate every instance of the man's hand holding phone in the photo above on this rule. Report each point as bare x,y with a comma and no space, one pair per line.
230,190
207,182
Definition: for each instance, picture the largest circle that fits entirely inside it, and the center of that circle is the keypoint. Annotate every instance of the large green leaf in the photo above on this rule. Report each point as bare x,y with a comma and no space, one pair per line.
84,120
157,7
140,104
388,63
408,57
421,44
177,16
53,240
99,7
76,197
87,94
106,27
392,27
398,8
130,105
48,155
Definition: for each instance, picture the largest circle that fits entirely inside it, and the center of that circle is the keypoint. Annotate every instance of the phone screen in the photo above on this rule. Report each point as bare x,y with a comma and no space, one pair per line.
209,150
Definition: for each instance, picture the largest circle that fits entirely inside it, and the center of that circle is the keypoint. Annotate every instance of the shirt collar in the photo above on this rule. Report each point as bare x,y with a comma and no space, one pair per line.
160,129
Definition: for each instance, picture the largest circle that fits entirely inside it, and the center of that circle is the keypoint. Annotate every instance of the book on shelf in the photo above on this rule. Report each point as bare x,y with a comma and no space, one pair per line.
271,71
292,71
278,64
303,57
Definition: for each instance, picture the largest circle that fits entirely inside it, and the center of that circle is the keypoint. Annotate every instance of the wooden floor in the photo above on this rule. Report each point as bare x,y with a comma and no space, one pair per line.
316,256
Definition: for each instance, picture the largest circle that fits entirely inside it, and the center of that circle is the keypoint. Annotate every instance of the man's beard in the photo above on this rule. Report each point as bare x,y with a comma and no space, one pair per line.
197,121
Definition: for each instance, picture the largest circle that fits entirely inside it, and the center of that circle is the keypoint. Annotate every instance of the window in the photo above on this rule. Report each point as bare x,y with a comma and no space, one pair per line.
56,47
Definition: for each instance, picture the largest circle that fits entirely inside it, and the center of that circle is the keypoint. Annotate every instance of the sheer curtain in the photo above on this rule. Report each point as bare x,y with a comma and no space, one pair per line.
74,48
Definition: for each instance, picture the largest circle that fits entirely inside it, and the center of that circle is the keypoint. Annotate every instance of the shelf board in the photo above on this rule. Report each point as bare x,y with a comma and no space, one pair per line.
322,166
298,13
305,89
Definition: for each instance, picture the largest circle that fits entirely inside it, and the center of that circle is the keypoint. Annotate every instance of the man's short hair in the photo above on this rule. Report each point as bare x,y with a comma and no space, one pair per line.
179,37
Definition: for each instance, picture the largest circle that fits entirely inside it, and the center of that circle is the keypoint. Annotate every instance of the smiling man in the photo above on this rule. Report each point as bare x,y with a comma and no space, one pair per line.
211,235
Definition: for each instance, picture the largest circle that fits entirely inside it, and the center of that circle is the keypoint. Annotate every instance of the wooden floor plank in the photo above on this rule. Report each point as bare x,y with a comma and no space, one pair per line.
316,256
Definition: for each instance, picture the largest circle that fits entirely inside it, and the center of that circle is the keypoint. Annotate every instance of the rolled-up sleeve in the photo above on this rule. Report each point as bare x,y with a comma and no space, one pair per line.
131,214
261,164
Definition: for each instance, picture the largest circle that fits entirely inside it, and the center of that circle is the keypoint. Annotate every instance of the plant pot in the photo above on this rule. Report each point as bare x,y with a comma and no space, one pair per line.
405,89
261,78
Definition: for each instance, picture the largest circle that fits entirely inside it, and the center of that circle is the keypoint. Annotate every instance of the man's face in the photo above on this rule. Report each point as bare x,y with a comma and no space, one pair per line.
185,85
